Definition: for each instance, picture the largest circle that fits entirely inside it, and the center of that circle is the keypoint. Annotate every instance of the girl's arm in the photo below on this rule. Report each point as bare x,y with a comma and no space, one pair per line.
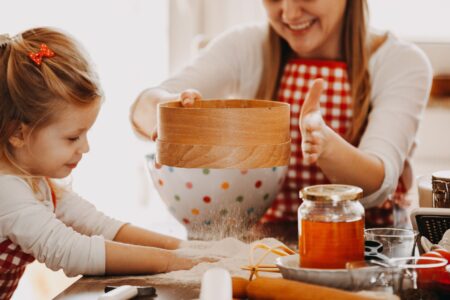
83,217
133,259
130,234
33,227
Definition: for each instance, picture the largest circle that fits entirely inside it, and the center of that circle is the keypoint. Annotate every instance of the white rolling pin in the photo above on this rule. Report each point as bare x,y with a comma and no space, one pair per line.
216,285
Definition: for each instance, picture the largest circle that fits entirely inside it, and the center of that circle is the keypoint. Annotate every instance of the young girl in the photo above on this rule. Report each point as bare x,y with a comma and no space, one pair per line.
375,88
49,99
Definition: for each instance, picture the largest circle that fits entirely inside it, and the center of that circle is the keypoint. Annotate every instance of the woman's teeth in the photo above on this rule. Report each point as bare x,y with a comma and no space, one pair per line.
301,26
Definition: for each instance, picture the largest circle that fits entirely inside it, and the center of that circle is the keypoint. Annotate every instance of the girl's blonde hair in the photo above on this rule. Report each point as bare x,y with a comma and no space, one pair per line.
356,51
34,94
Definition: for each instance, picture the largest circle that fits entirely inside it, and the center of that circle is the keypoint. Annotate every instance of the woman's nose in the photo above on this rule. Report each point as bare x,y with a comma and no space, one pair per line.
291,11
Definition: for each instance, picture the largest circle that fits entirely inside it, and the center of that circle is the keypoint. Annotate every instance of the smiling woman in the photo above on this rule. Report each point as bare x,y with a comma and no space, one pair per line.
324,59
211,17
129,47
431,33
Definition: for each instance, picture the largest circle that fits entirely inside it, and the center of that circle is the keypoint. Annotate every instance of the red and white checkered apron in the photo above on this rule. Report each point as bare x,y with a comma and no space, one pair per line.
12,265
336,108
13,262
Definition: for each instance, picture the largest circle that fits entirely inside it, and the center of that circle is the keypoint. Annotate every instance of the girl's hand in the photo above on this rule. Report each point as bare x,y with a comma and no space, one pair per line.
312,126
187,98
185,263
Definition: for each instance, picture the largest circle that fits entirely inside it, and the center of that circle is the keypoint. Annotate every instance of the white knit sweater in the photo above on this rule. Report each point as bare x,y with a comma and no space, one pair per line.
232,65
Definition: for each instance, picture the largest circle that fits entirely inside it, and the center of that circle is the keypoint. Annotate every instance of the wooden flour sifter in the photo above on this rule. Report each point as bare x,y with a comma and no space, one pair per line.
221,134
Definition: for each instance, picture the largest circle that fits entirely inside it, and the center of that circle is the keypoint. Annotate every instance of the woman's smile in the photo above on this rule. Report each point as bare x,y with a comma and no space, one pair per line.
301,26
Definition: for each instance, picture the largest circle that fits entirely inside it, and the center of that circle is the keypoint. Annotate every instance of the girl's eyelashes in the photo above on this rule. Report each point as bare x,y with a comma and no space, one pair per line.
74,139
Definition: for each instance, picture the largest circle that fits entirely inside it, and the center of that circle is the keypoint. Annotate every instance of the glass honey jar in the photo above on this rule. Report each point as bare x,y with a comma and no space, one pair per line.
441,189
330,226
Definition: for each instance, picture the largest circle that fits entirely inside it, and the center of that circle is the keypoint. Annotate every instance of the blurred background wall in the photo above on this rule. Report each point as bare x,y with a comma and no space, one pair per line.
137,43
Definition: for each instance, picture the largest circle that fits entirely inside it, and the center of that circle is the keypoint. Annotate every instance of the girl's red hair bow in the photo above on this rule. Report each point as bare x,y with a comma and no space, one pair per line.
43,52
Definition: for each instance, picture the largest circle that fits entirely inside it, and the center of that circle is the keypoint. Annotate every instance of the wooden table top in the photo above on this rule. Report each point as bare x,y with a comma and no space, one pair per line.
88,287
92,287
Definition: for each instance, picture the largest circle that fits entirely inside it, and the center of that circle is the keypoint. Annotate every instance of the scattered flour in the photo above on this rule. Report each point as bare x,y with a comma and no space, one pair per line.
232,254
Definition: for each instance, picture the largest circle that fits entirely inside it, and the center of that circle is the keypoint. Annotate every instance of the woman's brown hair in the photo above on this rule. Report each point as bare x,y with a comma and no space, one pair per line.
32,93
356,52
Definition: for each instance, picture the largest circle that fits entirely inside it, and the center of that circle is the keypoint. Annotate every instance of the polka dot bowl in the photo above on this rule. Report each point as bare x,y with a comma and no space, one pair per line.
215,203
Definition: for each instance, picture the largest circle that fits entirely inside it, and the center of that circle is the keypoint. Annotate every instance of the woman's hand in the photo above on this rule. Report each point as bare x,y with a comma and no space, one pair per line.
312,126
189,96
143,111
332,153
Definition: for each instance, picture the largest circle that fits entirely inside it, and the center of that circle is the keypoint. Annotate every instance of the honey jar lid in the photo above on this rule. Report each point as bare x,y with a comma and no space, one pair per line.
441,175
331,192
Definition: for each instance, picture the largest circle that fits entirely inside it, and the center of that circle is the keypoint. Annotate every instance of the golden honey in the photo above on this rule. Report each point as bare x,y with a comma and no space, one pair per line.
330,245
331,226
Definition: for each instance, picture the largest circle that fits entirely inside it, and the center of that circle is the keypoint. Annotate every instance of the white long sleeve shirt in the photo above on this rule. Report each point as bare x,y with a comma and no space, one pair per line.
232,66
71,237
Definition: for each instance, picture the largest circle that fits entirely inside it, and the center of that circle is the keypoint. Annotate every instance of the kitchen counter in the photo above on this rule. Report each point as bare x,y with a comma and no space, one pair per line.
90,287
87,288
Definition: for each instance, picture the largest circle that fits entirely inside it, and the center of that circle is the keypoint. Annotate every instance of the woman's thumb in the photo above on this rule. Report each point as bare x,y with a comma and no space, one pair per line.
312,100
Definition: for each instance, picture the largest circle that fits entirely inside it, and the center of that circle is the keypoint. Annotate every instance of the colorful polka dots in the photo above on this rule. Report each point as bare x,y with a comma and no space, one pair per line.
216,199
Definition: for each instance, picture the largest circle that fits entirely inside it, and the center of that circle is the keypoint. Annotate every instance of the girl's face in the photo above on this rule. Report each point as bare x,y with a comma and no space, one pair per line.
56,149
311,27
